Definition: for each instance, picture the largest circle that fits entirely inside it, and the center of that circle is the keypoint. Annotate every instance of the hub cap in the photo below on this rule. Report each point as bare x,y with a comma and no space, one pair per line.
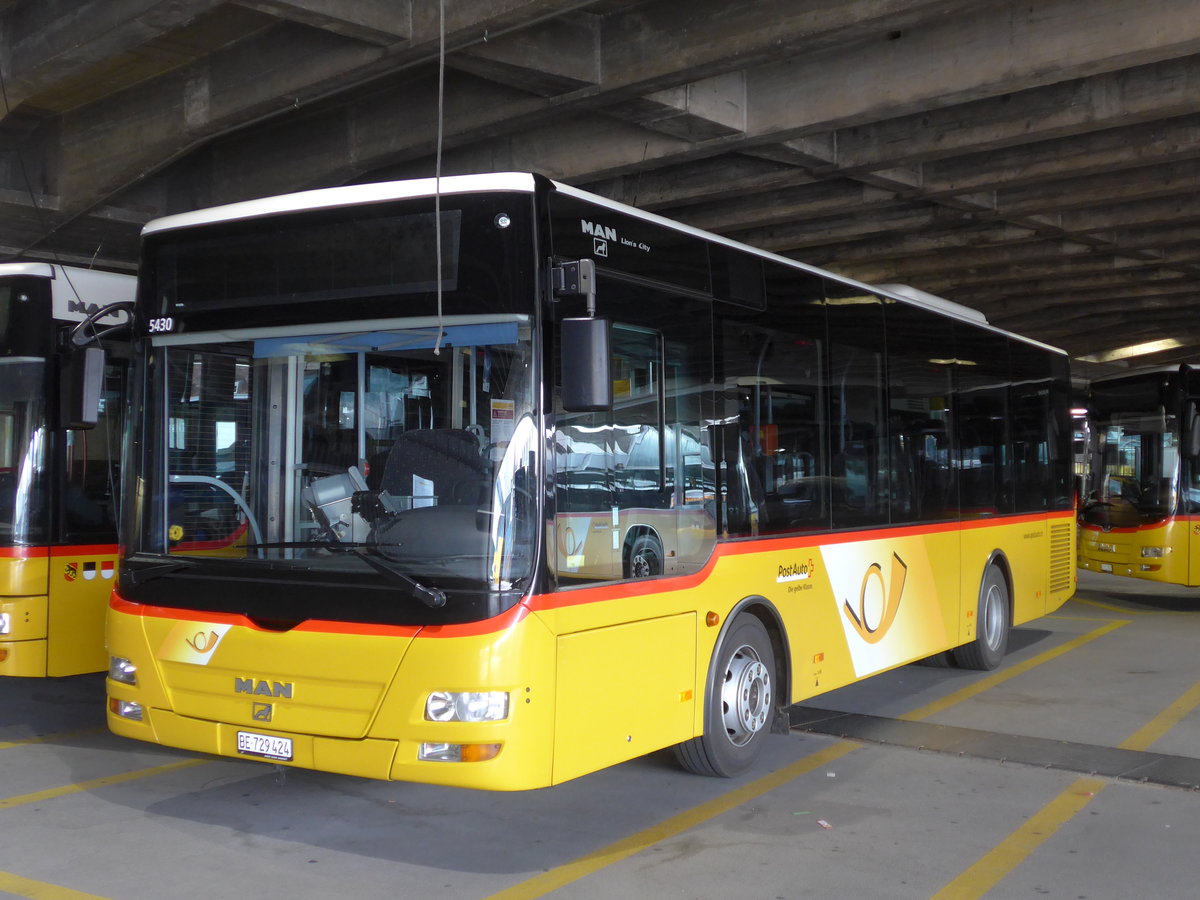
745,696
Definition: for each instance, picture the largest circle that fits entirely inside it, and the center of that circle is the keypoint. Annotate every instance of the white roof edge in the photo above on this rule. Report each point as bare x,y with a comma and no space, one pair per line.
38,270
349,195
909,292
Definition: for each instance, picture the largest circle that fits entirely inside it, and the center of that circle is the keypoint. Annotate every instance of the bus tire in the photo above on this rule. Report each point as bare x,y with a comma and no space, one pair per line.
645,557
992,617
739,706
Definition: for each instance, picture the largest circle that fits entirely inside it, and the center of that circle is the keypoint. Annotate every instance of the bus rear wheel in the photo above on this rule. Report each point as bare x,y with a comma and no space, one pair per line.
992,615
740,703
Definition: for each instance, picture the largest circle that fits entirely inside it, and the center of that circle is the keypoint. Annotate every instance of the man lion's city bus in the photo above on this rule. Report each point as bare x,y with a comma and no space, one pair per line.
1140,513
598,484
58,465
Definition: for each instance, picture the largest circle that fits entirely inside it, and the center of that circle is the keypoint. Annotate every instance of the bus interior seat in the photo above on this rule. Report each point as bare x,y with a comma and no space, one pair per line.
448,458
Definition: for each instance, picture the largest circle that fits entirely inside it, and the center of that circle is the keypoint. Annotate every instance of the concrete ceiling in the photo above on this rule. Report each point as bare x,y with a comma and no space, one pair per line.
1039,161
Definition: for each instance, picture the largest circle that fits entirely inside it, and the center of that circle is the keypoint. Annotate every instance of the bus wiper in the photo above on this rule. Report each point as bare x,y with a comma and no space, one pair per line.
140,575
369,553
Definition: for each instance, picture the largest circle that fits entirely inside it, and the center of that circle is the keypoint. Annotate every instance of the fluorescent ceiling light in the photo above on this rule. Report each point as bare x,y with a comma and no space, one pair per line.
1132,350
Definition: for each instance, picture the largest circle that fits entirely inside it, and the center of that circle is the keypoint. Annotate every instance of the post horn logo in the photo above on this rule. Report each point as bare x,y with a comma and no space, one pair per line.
203,643
878,602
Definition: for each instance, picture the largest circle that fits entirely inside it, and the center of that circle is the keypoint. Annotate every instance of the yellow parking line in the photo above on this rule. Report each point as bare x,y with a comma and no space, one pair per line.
94,783
540,885
543,884
1016,848
1164,721
986,684
1124,610
994,865
40,890
60,736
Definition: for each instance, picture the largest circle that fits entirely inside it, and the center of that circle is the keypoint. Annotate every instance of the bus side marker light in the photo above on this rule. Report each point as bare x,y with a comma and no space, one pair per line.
126,709
712,620
430,752
122,670
685,696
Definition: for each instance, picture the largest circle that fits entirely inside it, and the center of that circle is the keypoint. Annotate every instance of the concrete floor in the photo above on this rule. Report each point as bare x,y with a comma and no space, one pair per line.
928,795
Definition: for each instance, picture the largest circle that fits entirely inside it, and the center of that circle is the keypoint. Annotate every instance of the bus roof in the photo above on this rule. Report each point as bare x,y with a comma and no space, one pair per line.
352,195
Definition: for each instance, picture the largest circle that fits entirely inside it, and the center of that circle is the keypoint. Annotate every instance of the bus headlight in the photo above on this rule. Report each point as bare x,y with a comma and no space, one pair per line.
458,752
466,706
5,623
1153,553
122,670
1106,548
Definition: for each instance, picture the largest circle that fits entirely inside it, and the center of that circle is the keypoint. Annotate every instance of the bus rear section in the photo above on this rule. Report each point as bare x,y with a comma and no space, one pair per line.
58,474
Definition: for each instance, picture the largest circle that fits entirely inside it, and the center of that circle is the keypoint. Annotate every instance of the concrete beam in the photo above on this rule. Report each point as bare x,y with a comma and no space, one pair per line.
549,58
46,42
675,188
1043,162
112,144
380,22
789,205
710,108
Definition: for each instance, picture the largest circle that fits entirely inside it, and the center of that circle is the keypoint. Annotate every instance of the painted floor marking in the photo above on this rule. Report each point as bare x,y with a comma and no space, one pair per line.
560,876
45,738
1129,611
40,890
994,865
93,784
986,684
540,885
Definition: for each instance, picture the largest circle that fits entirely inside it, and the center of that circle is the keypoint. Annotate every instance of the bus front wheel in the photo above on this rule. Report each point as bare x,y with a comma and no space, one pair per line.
991,624
645,558
740,703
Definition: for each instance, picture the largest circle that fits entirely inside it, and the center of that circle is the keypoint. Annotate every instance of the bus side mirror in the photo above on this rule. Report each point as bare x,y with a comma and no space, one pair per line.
586,382
1192,432
83,384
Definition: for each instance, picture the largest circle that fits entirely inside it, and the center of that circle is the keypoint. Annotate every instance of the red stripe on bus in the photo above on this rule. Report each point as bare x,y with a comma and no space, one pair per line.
64,550
581,596
85,550
1161,523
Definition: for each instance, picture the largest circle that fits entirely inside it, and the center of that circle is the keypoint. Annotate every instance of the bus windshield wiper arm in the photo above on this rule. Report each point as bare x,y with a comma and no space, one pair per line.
135,576
368,553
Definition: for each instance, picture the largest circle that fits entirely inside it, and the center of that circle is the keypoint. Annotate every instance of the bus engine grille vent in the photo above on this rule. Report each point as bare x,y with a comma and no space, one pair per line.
1061,557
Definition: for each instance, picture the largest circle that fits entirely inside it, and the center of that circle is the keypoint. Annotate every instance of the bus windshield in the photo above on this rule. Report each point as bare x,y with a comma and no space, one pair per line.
1135,462
23,505
383,458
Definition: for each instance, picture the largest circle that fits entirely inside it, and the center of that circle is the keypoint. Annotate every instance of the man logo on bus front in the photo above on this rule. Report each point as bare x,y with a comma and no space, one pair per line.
881,599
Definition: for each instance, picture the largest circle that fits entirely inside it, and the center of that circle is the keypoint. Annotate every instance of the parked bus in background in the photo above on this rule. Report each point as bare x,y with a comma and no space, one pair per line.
1140,513
58,465
597,485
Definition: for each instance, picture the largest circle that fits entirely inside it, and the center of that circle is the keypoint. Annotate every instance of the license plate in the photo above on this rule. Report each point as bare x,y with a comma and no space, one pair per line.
265,745
1105,567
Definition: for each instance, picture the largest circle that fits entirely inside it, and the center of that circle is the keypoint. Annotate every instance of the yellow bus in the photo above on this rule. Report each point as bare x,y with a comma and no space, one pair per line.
596,485
1140,512
58,464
